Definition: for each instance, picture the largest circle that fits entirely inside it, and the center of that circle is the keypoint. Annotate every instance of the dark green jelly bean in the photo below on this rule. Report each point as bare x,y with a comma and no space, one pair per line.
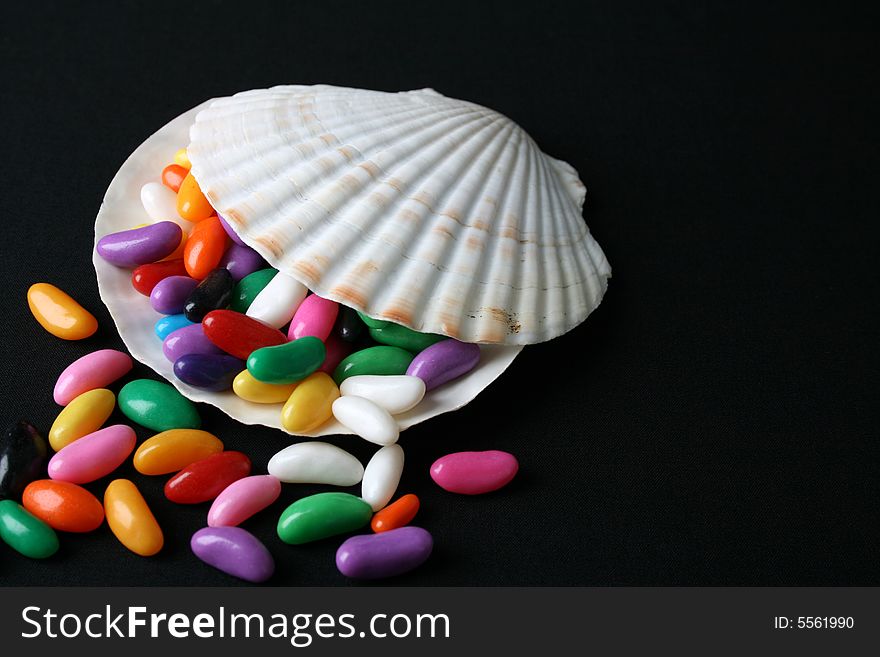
157,406
25,533
22,458
213,293
396,335
373,323
247,289
349,325
321,516
287,363
374,360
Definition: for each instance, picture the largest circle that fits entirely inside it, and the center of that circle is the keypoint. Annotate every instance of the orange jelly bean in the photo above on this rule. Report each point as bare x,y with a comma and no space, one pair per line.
63,506
205,247
59,313
131,520
191,203
175,449
396,515
172,176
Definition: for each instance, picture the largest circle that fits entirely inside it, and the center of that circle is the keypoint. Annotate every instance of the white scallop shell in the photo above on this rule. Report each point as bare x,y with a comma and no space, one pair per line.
431,212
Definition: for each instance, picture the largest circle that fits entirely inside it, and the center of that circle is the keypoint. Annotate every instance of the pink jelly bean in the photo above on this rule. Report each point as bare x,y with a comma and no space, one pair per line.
315,316
95,370
337,349
93,456
243,498
473,473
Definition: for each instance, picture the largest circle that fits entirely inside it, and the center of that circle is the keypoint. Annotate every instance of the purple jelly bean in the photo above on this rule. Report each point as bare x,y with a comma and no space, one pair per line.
139,246
213,372
170,294
444,361
190,339
374,556
234,551
232,234
241,261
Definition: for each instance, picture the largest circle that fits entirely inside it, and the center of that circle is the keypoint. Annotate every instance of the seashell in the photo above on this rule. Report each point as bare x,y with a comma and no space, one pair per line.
427,211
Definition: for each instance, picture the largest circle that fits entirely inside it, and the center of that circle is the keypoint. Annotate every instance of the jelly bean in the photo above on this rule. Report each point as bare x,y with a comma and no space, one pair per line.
131,520
93,456
315,317
138,246
316,462
247,289
372,323
310,405
190,339
160,203
204,480
95,370
374,360
63,506
191,203
173,450
22,458
277,302
400,336
382,476
229,231
145,277
248,388
349,326
59,314
396,394
213,293
25,533
170,294
181,158
172,177
243,498
241,261
157,406
287,363
375,556
165,326
337,351
213,372
204,248
321,516
473,473
84,415
368,420
240,335
234,551
444,361
177,254
396,515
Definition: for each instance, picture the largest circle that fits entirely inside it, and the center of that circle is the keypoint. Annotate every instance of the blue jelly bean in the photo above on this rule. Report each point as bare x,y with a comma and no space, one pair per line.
170,323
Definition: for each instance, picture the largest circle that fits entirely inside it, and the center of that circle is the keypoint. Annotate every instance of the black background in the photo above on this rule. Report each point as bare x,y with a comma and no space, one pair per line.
713,422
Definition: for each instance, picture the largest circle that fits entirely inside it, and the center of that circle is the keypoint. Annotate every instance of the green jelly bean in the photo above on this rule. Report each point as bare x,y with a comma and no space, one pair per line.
247,289
403,337
26,533
320,516
373,323
287,363
373,360
157,406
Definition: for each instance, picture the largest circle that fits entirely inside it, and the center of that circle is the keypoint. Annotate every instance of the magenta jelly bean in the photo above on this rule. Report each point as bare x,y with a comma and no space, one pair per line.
241,260
95,370
444,361
337,350
315,317
170,294
474,473
190,339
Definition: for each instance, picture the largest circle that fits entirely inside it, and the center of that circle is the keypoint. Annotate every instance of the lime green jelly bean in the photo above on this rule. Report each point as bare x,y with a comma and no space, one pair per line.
322,515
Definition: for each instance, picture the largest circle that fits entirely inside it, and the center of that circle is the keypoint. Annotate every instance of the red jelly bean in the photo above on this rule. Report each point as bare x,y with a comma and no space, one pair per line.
145,277
204,248
337,350
396,515
239,335
204,480
172,176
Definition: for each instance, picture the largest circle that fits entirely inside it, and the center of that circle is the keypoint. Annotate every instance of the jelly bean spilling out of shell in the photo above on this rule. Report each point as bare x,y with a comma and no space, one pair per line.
82,416
204,480
316,462
23,453
235,552
64,506
130,519
139,246
59,313
95,370
93,456
321,516
366,419
391,553
398,514
396,394
157,406
474,473
242,499
310,405
173,450
381,476
25,533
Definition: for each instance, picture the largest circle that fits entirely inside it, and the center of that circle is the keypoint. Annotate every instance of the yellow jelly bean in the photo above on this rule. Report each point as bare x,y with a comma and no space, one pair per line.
59,314
86,413
250,389
311,404
130,519
175,449
181,158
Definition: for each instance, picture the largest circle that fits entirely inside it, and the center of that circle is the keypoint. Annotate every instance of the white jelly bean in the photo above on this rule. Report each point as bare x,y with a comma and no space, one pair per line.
159,202
315,462
396,393
367,419
382,476
277,302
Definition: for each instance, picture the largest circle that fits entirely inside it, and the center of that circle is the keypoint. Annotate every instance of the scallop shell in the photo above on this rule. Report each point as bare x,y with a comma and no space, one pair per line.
431,212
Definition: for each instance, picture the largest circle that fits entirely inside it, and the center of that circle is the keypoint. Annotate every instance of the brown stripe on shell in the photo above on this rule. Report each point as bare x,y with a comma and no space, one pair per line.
348,296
